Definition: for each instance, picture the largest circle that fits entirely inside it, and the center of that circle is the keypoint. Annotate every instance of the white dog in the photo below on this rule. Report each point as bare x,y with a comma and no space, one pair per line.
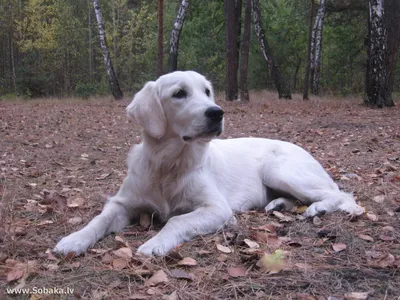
196,182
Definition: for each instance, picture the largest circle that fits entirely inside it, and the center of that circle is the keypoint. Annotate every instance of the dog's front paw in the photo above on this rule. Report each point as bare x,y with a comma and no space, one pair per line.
154,247
76,242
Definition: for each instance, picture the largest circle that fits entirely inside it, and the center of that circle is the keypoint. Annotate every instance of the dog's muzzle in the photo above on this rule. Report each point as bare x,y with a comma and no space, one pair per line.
214,116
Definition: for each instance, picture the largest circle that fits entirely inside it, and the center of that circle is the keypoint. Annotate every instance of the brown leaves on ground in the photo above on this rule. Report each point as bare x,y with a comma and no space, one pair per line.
60,161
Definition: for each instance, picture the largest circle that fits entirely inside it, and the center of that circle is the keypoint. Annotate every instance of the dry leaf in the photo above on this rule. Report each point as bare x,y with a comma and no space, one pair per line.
338,247
251,244
119,263
104,176
76,202
107,259
303,296
125,253
366,237
223,249
138,297
301,209
187,261
272,263
45,222
372,217
386,238
317,221
282,217
379,198
237,272
75,220
172,296
15,274
181,274
356,296
158,277
386,261
266,227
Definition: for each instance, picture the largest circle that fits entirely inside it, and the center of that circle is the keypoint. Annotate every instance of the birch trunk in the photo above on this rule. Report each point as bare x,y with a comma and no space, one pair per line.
376,89
112,79
312,47
308,64
283,90
244,55
175,34
315,74
160,38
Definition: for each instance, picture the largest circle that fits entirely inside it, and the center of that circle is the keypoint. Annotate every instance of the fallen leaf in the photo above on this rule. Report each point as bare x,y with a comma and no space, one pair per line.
356,296
181,274
272,263
303,296
372,217
301,209
14,274
158,277
282,217
104,176
144,220
317,221
338,247
223,249
107,259
45,222
75,221
237,272
386,238
187,261
251,244
379,198
76,202
119,263
139,297
125,253
203,252
366,237
266,227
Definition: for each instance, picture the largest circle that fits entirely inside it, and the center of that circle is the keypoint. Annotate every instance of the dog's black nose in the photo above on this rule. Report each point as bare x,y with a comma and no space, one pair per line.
214,113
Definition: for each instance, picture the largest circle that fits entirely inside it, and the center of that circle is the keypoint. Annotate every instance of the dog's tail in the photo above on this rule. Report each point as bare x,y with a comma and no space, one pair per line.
348,204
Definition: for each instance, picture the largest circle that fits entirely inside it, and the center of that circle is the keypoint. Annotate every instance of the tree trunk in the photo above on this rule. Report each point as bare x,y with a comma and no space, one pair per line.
377,91
315,74
312,47
115,38
283,90
90,44
392,22
308,63
160,37
175,34
232,52
112,79
244,55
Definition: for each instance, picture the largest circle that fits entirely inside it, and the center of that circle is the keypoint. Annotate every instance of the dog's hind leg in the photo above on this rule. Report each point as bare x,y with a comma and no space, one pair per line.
308,182
279,204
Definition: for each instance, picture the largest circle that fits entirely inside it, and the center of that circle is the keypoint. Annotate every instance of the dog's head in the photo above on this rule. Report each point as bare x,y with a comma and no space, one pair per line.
179,103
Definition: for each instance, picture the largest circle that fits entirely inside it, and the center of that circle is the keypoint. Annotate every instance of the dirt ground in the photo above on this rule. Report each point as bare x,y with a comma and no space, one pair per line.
60,159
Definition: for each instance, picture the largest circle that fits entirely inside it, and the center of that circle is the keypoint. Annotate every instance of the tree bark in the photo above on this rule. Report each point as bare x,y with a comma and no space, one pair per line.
283,90
308,63
160,37
377,90
244,55
232,52
316,67
392,22
175,34
112,79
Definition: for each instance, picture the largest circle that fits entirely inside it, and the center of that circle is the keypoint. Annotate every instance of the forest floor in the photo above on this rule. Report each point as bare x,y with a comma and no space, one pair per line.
60,159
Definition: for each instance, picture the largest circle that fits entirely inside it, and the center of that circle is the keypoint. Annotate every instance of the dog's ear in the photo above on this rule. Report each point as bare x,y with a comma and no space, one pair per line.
147,111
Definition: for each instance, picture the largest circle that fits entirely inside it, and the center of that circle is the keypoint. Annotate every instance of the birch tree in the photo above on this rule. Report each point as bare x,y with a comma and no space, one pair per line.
112,79
283,90
244,55
316,56
377,93
308,64
175,34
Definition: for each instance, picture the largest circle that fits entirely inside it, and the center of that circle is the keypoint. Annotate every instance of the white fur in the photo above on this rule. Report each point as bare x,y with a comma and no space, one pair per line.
197,184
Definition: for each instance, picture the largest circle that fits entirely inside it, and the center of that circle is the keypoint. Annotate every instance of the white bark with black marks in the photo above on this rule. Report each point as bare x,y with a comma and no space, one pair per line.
283,90
175,34
377,92
112,79
316,61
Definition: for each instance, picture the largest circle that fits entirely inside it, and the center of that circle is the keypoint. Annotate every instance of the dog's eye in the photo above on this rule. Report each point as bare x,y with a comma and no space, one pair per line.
180,94
207,92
